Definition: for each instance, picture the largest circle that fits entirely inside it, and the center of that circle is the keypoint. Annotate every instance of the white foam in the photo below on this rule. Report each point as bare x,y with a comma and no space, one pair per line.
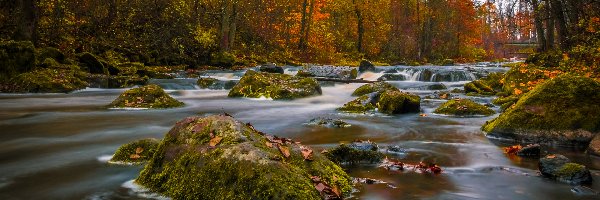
104,158
141,191
128,108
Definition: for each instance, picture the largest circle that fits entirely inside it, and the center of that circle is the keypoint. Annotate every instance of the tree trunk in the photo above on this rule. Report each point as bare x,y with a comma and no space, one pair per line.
224,26
232,25
561,24
360,26
302,44
549,25
539,26
27,21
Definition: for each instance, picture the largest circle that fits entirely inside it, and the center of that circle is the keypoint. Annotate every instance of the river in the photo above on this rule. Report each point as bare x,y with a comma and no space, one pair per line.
56,146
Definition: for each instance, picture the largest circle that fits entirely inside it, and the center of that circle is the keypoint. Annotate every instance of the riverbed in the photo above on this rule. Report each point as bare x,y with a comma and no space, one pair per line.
56,146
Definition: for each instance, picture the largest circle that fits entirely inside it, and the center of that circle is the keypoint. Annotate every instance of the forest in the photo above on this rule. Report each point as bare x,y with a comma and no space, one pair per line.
300,99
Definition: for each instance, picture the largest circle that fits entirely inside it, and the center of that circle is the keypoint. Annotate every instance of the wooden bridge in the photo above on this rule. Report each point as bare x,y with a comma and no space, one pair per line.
518,49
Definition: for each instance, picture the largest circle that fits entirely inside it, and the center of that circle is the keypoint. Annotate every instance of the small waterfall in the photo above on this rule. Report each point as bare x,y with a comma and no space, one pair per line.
436,74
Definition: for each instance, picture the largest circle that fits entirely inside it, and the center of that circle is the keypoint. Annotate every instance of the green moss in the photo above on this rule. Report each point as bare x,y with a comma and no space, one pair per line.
206,82
489,85
276,86
50,80
303,73
344,154
149,96
373,87
462,107
92,63
361,104
222,59
241,166
353,73
15,58
50,52
136,152
569,169
506,102
396,102
564,109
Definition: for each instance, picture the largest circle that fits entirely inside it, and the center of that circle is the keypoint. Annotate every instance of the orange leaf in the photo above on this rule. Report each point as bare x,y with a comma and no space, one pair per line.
306,152
134,156
269,144
284,150
139,150
216,140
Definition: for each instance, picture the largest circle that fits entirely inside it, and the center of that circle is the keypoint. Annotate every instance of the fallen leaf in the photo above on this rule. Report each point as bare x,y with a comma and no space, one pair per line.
139,150
336,190
551,156
306,152
134,156
423,115
512,150
215,141
269,144
284,150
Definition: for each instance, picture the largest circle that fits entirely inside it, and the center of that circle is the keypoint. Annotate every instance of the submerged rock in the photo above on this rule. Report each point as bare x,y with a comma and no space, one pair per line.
532,150
463,107
329,71
564,111
149,96
217,157
560,168
135,152
594,147
271,68
206,82
437,86
328,122
396,102
440,95
355,153
392,77
276,86
366,65
373,87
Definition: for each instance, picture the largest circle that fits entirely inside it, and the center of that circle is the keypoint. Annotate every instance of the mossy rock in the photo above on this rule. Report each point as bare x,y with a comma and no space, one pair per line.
447,62
366,65
92,63
506,102
560,168
396,102
392,77
361,104
437,86
373,87
222,59
51,52
303,73
564,110
149,96
350,154
594,147
15,58
479,87
49,80
206,82
463,107
135,152
190,163
276,86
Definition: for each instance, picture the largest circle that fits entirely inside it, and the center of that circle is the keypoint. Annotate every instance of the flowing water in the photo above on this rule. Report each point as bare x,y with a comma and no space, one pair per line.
55,146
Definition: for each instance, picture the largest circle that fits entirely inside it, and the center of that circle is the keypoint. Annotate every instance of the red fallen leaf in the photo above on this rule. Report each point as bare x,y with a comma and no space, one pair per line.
134,156
336,190
269,144
139,150
423,115
215,141
306,152
551,156
320,187
512,150
284,150
435,169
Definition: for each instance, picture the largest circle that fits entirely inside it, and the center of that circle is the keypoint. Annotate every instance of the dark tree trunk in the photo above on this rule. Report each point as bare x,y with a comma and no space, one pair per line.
549,25
561,24
302,43
360,27
539,26
26,21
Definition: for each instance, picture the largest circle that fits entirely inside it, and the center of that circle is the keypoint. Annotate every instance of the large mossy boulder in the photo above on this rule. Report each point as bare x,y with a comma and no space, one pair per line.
276,86
361,104
92,63
463,107
564,111
48,80
217,157
560,168
135,152
396,102
16,58
51,52
206,82
271,68
489,85
373,87
366,65
149,96
355,153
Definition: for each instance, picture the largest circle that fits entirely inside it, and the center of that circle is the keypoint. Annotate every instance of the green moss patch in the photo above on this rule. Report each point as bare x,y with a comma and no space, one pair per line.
373,87
217,157
565,110
396,102
15,58
361,104
206,82
276,86
150,96
135,152
345,154
50,80
489,85
463,107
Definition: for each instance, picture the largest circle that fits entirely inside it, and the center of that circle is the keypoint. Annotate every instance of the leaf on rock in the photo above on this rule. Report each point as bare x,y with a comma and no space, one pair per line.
215,141
269,144
135,156
139,150
306,152
284,151
512,150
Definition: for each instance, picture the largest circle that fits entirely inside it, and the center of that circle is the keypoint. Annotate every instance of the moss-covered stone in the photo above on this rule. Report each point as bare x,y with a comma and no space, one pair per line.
373,87
489,85
206,82
396,102
366,65
50,52
217,157
559,167
437,86
135,152
594,147
15,58
463,107
392,77
506,102
564,110
361,104
48,80
149,96
276,86
353,154
92,63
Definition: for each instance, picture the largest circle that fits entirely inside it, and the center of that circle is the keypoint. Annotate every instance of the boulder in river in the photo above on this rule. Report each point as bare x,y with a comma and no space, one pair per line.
48,80
355,153
91,62
366,65
206,82
135,152
271,68
328,122
329,71
532,150
489,85
276,86
563,111
392,77
397,102
463,107
218,157
594,147
16,57
361,104
437,86
373,87
559,167
149,96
